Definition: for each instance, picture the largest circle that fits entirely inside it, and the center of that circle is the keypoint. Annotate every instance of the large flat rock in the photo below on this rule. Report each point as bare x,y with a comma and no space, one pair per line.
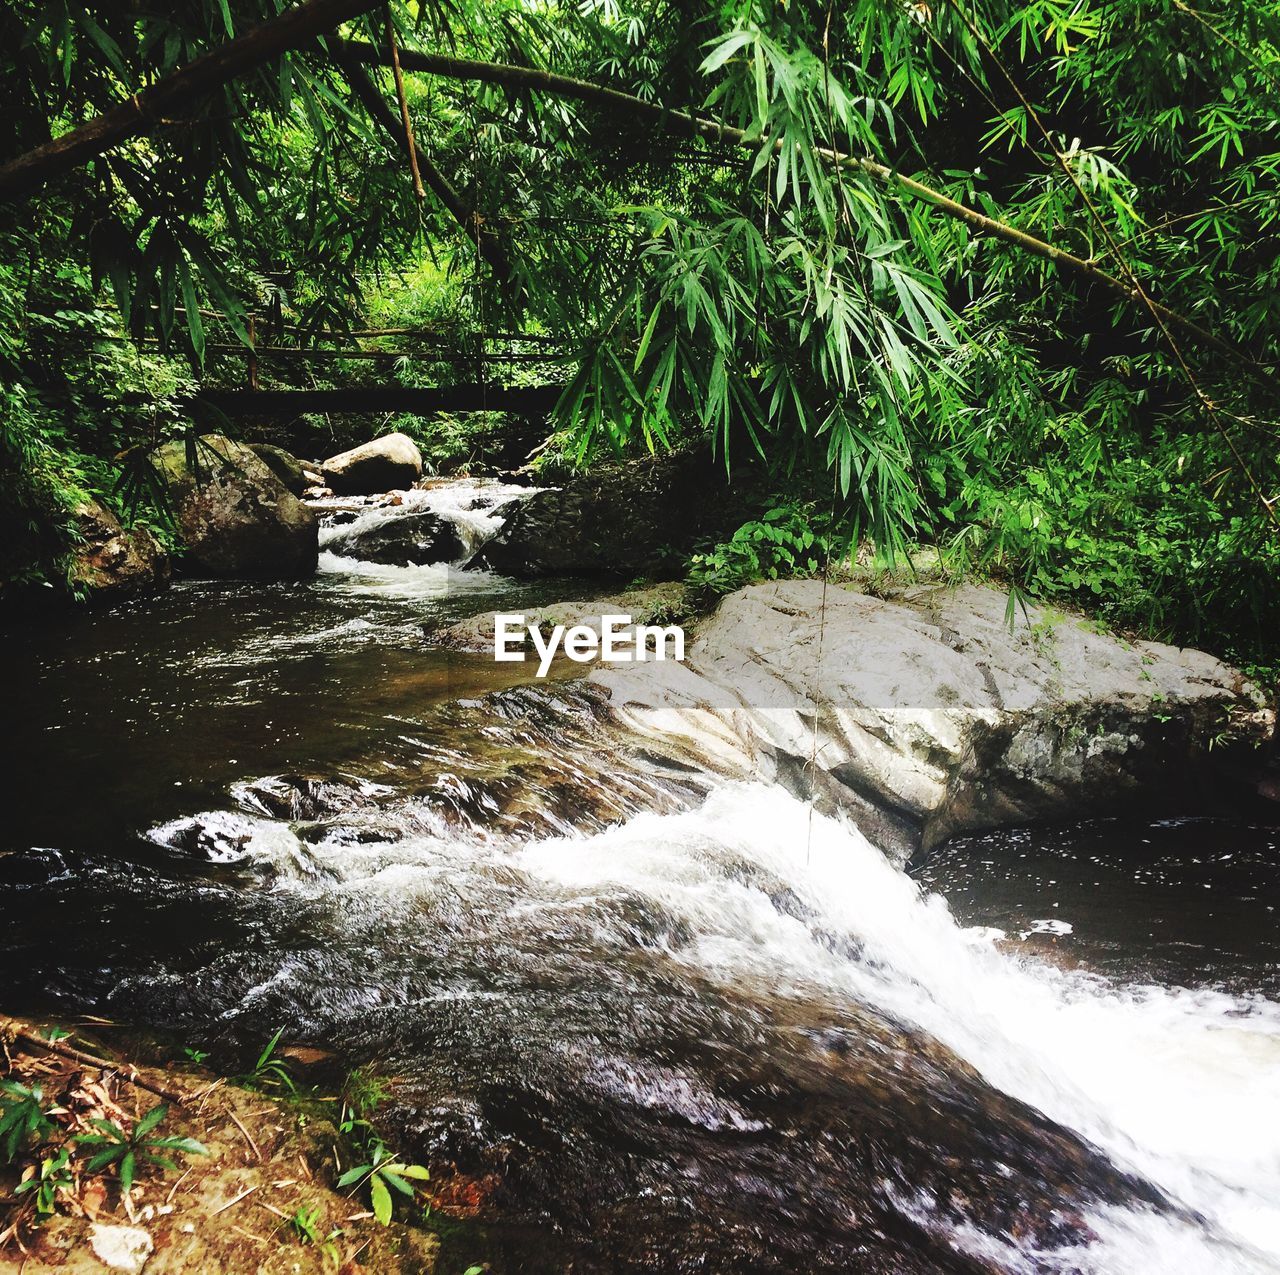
933,715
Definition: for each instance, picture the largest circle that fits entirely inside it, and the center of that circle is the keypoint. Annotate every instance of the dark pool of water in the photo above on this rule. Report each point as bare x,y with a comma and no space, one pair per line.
1188,901
119,719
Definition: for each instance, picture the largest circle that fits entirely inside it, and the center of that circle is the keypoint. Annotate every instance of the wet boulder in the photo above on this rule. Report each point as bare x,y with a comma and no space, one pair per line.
286,466
389,463
412,539
235,517
924,713
111,562
634,517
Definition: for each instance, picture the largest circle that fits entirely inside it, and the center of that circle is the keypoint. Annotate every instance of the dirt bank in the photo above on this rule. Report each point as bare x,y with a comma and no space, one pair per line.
263,1196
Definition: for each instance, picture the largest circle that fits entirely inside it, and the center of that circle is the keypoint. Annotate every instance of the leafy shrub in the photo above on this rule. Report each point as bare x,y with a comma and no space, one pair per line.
782,542
73,392
22,1117
52,1174
127,1150
382,1174
269,1070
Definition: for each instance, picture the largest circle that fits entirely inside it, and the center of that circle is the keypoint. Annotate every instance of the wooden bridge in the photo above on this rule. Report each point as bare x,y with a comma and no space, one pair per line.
532,400
479,393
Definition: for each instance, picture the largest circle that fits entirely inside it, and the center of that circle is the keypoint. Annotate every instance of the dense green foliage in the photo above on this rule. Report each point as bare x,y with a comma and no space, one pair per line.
790,539
909,376
75,392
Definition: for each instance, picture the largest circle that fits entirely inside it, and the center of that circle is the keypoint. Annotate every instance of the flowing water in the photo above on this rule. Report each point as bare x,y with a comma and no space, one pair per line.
653,1021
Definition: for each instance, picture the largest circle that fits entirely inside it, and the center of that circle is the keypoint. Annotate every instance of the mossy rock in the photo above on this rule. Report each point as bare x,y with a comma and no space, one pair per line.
234,515
112,562
285,465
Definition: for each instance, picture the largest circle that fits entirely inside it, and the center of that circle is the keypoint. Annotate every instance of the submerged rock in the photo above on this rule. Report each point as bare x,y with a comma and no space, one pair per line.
235,516
933,715
384,464
286,466
114,562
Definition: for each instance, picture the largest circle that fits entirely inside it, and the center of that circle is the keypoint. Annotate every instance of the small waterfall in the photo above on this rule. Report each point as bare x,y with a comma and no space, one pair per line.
476,507
1179,1086
414,544
473,508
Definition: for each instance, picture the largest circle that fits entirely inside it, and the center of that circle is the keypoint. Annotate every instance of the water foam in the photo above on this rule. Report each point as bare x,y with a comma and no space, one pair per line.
1179,1085
476,507
433,580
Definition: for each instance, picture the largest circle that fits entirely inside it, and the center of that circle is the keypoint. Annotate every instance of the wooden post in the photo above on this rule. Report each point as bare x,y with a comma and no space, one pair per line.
253,353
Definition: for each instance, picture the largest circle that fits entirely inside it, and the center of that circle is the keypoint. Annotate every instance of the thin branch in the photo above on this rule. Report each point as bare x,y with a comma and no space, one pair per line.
366,92
29,1040
411,149
1266,198
1267,69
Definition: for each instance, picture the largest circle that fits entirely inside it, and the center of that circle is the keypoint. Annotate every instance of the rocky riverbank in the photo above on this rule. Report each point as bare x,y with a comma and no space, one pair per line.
924,710
931,711
247,511
236,512
618,992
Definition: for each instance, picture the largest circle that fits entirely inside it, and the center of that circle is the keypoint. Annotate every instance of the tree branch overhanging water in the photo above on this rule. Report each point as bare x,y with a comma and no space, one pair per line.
707,127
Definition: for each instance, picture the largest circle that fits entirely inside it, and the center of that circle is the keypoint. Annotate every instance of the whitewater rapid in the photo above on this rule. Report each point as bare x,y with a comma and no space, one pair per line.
481,872
755,893
1180,1085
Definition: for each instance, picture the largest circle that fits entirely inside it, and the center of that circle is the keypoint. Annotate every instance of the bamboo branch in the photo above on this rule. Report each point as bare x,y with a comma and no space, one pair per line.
175,93
1269,70
366,93
690,123
419,193
1127,272
210,71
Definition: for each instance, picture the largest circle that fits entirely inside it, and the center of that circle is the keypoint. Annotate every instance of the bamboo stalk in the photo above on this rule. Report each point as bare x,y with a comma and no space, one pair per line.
410,147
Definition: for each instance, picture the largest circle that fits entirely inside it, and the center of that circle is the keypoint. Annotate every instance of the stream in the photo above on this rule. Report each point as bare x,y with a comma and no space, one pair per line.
658,1022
